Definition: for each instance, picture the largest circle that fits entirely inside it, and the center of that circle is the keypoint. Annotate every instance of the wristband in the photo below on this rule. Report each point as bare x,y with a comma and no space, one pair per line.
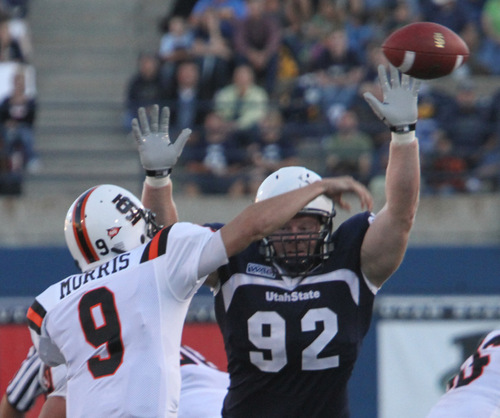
156,183
403,129
403,137
158,174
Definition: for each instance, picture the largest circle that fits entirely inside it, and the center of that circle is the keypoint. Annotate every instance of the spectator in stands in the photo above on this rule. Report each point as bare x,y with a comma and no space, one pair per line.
338,71
332,53
445,171
374,56
356,17
487,171
228,12
368,122
300,104
16,8
291,16
449,13
469,129
428,123
175,46
474,10
17,118
257,43
181,8
214,165
20,31
11,168
328,16
10,48
213,52
242,104
494,112
489,54
187,106
269,149
436,109
349,150
144,88
361,30
401,14
298,12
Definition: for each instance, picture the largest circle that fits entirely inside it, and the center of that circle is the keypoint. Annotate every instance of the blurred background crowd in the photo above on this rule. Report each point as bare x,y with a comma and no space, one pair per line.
269,83
17,97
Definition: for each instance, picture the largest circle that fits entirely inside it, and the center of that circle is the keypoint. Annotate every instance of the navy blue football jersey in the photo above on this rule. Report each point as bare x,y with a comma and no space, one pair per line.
292,343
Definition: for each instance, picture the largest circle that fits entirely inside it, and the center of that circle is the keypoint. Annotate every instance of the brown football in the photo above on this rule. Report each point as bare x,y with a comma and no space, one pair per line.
425,50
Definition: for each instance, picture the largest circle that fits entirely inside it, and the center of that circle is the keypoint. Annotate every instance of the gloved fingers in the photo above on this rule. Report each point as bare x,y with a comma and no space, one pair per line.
181,141
405,82
154,114
395,82
136,131
374,104
165,119
144,121
415,86
384,82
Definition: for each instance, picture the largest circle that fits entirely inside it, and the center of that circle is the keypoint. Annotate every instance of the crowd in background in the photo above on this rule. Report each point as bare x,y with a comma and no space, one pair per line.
269,83
17,98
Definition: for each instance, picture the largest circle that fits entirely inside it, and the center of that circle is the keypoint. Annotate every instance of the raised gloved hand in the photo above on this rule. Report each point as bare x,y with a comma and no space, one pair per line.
399,110
158,155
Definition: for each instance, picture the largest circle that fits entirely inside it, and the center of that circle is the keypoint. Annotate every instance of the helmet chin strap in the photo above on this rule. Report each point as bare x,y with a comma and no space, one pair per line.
299,270
288,274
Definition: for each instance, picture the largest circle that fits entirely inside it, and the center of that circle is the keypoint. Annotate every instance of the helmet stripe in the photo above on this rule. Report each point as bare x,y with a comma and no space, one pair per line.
80,229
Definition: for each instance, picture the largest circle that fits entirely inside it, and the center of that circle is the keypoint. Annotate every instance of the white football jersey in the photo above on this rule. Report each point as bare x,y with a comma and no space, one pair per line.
53,380
118,328
475,390
203,386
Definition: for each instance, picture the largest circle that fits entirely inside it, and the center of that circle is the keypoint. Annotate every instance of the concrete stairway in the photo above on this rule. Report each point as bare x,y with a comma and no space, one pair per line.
84,53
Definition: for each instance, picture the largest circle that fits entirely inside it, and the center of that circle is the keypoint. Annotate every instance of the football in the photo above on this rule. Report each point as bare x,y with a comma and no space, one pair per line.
425,50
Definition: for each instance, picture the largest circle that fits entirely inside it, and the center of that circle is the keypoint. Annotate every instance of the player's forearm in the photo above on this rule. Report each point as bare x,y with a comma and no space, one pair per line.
403,180
261,219
8,411
160,200
275,212
54,407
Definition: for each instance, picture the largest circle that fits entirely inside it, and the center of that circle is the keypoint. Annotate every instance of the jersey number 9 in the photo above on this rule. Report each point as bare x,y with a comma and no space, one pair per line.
101,325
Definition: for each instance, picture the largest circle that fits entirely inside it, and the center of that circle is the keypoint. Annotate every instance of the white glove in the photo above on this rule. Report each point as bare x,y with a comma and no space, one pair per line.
158,155
399,110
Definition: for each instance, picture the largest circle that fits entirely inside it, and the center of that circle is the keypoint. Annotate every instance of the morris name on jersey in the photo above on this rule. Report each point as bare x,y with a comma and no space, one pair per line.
75,282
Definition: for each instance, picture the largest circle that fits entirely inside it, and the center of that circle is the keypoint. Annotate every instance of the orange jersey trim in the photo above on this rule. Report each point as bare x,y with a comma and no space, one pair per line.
34,317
